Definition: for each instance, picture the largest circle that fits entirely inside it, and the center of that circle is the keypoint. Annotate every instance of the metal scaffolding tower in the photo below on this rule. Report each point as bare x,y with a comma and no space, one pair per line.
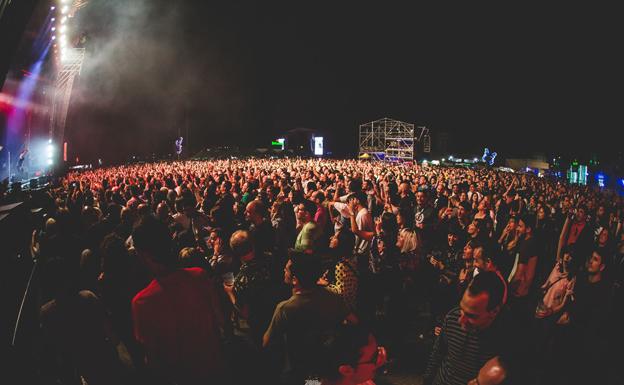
387,139
70,66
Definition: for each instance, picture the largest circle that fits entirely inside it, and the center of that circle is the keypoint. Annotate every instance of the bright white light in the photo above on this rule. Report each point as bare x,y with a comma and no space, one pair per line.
451,157
318,146
50,140
50,162
52,8
475,160
53,28
63,19
65,10
54,18
63,28
53,37
443,160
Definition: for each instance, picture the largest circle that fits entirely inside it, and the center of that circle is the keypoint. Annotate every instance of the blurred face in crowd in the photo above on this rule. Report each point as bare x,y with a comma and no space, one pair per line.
468,252
603,237
521,228
461,211
473,229
595,264
371,357
480,261
474,315
302,214
420,198
541,213
452,239
463,197
580,214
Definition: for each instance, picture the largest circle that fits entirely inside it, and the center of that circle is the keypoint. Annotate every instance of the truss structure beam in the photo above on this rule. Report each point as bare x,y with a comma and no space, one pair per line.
71,65
387,139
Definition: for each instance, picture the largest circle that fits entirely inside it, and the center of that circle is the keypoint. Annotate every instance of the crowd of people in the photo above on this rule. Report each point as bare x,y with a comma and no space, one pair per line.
294,270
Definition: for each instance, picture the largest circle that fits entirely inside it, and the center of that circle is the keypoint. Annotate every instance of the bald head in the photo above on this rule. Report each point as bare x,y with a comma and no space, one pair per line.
255,212
492,373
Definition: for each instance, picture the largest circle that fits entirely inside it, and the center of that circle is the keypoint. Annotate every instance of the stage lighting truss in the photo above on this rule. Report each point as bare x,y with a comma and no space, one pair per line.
387,139
70,66
69,63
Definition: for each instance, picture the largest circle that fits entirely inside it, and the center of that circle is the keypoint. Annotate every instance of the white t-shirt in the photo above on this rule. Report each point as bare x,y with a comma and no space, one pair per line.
364,223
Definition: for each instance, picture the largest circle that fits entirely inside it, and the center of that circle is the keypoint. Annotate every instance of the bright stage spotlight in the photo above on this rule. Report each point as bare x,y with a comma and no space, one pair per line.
65,10
52,8
53,28
53,37
63,28
63,19
50,161
53,19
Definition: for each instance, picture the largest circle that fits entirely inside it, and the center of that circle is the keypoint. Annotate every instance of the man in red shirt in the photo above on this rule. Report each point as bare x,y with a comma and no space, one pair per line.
177,317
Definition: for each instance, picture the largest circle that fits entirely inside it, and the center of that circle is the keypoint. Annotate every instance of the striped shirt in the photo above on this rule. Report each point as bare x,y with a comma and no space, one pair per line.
458,355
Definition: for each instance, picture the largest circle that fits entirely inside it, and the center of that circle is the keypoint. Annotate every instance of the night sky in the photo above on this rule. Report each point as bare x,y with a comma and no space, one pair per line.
518,80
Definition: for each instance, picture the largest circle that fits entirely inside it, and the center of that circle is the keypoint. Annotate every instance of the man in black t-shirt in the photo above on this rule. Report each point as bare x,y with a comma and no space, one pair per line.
523,272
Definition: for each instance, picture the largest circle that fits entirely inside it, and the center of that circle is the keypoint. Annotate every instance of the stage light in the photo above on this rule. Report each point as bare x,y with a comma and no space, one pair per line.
54,38
53,28
63,28
54,18
65,10
63,20
475,160
52,8
50,161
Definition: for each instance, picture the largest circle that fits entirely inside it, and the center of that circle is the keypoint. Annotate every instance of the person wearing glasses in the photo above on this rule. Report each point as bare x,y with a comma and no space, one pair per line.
351,356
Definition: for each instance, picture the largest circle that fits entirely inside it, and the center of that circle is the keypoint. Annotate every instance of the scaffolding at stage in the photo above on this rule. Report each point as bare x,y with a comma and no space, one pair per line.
387,139
71,65
69,58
